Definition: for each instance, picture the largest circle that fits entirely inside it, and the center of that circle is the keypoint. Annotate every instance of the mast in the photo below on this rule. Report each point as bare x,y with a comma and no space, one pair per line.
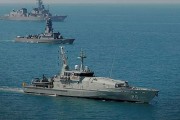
63,56
81,57
40,4
48,28
65,66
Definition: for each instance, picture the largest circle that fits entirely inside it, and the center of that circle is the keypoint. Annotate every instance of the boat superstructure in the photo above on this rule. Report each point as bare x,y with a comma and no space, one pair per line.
36,14
81,82
47,37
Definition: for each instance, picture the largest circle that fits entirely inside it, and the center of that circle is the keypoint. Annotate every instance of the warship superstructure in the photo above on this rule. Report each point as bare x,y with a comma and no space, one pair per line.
47,37
39,13
81,82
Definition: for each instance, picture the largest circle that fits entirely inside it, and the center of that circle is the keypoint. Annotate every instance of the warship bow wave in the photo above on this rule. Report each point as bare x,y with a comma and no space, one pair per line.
81,82
47,37
37,14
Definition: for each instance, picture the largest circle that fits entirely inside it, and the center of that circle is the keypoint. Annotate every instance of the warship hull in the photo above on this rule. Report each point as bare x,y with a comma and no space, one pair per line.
140,96
58,18
54,41
22,18
33,18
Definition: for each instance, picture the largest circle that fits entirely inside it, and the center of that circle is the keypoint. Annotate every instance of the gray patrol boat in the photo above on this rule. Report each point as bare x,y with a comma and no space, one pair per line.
47,37
81,82
37,14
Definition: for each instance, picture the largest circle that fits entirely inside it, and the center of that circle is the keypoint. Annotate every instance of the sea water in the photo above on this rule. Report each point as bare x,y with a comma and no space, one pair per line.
136,43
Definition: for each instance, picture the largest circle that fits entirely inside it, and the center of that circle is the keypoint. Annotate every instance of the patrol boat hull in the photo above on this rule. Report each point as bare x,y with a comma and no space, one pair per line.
81,82
141,96
54,41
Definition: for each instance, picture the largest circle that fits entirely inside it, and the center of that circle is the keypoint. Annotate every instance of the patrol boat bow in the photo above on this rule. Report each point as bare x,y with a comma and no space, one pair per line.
81,82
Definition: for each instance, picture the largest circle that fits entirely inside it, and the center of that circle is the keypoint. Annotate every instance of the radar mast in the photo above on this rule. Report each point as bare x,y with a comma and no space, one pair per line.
81,57
40,4
49,28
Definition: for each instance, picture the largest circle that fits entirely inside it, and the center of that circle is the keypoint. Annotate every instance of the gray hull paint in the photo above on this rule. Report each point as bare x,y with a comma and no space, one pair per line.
31,18
22,18
121,95
55,41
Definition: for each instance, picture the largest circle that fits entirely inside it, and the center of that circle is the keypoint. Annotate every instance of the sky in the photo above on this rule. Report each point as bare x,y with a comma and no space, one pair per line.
92,1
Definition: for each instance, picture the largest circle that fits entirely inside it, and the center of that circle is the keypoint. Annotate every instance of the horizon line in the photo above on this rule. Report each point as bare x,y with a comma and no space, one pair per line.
94,3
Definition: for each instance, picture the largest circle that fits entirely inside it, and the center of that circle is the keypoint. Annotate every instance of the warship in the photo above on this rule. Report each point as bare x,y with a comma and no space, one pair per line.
37,14
47,37
82,83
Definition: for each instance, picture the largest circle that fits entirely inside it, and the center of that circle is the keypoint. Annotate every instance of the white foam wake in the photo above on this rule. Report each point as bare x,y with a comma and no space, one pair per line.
54,95
11,89
7,41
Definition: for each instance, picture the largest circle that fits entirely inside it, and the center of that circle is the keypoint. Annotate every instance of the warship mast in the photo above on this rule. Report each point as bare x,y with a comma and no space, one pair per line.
40,4
81,57
48,28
